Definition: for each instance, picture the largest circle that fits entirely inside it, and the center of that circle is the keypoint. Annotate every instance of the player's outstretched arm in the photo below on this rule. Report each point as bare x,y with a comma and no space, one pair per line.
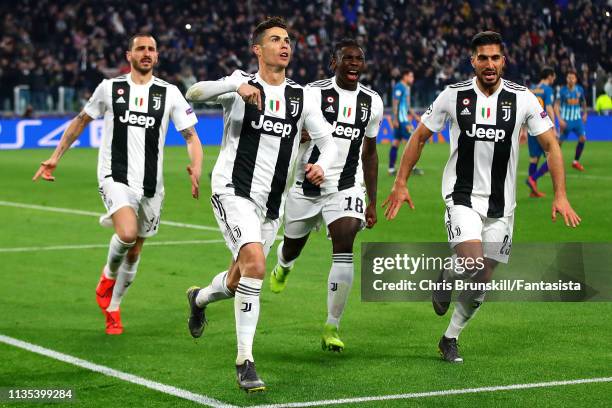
369,158
560,204
194,149
412,153
72,133
208,91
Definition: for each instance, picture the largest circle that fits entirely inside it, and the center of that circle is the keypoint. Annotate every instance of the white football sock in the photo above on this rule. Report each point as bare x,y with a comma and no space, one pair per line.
125,276
116,253
217,290
339,285
281,261
466,306
246,311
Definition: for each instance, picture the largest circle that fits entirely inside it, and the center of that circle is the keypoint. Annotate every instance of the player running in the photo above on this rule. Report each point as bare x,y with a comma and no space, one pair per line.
544,92
571,109
479,181
263,115
355,111
137,108
402,117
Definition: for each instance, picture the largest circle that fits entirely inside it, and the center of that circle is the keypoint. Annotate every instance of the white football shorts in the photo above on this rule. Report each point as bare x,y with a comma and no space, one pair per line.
463,224
304,213
242,221
148,209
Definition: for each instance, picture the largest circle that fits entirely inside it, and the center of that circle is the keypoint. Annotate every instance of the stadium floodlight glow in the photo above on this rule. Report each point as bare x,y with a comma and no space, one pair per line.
188,26
607,14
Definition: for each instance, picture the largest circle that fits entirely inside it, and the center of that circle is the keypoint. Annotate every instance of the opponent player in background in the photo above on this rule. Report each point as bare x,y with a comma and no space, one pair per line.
263,115
355,112
545,94
479,180
137,108
571,109
402,117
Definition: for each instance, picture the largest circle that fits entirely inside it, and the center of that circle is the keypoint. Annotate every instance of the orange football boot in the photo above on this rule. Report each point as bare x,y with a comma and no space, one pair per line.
104,291
113,322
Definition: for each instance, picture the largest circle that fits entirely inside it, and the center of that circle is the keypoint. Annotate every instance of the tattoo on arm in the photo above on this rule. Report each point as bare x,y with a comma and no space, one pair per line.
188,133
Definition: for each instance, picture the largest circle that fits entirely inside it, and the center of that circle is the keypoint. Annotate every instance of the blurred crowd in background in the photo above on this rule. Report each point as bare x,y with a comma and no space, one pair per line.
74,44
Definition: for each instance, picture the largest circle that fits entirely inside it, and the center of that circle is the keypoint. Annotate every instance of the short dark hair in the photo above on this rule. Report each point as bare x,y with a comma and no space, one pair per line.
406,71
546,72
486,38
138,35
572,71
345,42
268,23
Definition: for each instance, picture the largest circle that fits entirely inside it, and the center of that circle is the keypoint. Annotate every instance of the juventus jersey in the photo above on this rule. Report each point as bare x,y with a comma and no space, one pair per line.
484,142
135,125
259,148
353,116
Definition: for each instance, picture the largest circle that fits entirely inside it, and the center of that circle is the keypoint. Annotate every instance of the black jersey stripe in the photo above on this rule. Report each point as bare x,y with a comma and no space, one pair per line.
309,189
119,146
156,107
294,104
363,110
327,95
506,120
464,168
248,145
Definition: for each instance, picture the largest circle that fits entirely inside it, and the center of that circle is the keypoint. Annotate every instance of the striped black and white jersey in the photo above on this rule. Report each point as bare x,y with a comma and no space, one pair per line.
135,124
259,148
484,142
353,116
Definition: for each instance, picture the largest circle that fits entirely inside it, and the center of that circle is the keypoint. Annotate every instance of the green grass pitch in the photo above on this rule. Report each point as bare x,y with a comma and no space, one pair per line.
47,298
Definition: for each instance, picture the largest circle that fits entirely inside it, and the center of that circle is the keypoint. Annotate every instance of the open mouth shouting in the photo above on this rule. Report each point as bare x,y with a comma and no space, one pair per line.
489,75
352,75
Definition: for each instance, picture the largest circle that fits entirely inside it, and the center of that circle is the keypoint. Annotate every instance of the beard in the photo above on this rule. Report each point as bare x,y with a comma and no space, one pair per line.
137,67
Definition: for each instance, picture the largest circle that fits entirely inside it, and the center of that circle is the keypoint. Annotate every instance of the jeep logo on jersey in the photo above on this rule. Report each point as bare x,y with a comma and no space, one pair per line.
346,131
137,119
273,127
487,134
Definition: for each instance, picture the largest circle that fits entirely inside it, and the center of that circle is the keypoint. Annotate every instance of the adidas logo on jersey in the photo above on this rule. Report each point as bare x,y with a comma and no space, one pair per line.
137,119
346,131
330,109
488,134
466,111
272,127
120,100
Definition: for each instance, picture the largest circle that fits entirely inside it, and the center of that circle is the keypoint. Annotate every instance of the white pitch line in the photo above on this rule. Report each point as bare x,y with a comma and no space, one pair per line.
94,246
95,214
134,379
437,393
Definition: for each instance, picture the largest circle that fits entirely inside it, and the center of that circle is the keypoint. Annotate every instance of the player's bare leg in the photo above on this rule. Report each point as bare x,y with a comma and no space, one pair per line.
340,279
252,265
125,223
287,252
467,304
